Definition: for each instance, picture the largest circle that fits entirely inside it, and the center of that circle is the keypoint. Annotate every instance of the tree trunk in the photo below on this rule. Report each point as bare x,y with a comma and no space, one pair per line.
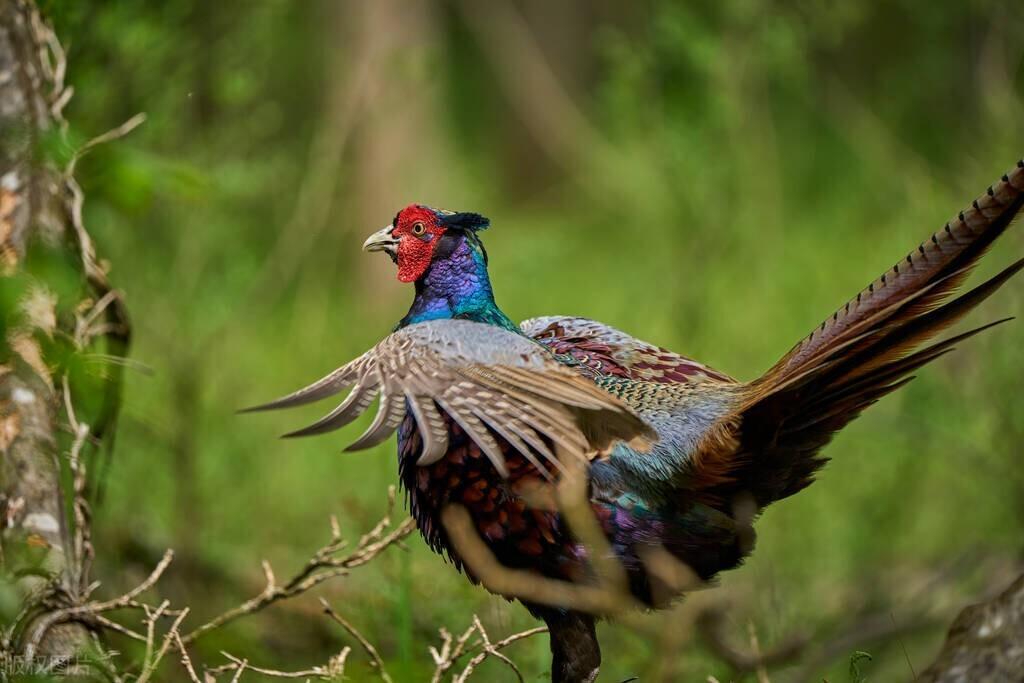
985,642
44,513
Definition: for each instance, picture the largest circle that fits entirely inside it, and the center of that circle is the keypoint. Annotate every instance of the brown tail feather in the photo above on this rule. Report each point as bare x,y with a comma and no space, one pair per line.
902,336
899,368
845,389
866,350
950,251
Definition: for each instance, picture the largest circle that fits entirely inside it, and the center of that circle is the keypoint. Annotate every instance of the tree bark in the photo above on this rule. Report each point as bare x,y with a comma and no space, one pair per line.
44,543
985,642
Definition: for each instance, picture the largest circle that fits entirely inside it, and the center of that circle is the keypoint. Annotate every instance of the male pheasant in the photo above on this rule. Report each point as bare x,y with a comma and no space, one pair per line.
485,409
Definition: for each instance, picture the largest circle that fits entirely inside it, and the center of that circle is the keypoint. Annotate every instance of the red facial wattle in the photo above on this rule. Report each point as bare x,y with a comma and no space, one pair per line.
415,251
414,256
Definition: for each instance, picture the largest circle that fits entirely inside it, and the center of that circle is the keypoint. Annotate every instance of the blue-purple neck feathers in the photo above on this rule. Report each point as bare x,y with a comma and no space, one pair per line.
456,285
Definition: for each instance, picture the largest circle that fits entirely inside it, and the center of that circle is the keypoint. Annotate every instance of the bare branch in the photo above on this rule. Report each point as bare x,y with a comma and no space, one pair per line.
493,650
89,609
323,565
574,505
523,584
186,661
111,135
81,544
446,658
118,628
755,650
169,637
335,668
378,663
242,666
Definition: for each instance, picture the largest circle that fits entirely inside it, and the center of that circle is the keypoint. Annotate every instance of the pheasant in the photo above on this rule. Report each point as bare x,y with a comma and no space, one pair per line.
486,410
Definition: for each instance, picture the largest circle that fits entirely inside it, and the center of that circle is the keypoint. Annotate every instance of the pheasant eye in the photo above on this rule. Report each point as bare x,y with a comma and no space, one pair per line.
418,228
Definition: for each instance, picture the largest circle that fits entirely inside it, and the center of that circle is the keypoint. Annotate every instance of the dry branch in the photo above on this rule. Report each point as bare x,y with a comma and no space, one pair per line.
335,668
88,610
453,649
378,663
323,565
494,650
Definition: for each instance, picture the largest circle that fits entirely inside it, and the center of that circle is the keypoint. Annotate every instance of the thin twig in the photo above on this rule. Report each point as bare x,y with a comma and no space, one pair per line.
323,565
81,544
186,661
242,666
164,646
151,618
493,650
334,669
375,658
447,656
523,584
45,623
118,628
906,655
755,650
111,135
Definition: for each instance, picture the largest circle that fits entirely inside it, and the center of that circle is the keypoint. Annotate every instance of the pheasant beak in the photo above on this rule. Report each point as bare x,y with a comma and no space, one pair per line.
382,240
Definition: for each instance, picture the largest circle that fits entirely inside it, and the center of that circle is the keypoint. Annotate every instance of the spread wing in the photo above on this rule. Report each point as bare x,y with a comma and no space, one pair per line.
491,382
612,352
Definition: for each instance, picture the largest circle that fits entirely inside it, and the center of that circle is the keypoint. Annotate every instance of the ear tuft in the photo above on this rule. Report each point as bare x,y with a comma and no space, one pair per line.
465,221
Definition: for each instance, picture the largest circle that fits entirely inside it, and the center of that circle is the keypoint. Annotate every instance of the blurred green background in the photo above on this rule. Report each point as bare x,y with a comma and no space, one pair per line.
715,177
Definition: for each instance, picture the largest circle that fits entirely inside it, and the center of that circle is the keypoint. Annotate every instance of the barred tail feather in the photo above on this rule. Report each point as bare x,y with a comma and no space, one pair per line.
867,349
924,278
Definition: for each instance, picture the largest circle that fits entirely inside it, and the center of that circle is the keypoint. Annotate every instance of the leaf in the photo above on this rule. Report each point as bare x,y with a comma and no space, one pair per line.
856,676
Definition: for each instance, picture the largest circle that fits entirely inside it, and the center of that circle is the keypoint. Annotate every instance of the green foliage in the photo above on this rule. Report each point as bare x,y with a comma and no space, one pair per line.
742,167
856,675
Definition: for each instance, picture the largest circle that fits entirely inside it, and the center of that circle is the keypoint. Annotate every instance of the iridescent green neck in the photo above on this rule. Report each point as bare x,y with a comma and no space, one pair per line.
456,285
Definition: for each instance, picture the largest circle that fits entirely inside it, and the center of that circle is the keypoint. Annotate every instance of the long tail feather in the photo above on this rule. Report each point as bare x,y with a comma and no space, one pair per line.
868,348
953,250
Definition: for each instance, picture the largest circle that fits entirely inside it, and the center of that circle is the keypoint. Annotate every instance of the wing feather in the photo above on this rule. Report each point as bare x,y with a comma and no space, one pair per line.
489,381
455,406
390,414
354,405
332,384
431,425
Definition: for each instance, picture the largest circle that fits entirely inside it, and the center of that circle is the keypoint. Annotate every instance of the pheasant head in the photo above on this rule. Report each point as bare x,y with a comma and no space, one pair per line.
419,235
441,252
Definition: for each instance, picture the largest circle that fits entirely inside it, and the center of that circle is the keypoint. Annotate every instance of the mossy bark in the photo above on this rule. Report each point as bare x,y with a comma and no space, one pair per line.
43,561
